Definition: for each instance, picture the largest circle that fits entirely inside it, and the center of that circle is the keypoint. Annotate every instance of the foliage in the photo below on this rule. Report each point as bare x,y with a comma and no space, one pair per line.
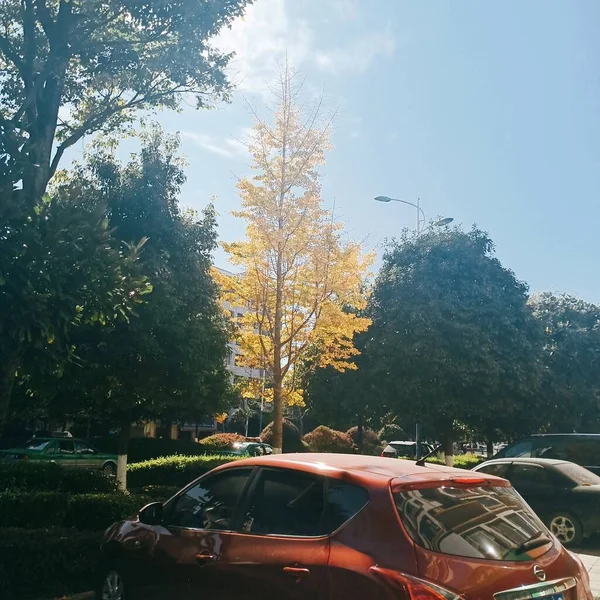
173,470
94,512
463,461
98,65
571,386
295,270
64,562
170,361
370,440
51,477
453,338
392,432
221,441
292,442
324,439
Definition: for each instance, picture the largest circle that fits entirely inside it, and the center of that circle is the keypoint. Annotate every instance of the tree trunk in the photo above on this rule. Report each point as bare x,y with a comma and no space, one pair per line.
490,448
8,371
449,451
277,371
360,434
122,450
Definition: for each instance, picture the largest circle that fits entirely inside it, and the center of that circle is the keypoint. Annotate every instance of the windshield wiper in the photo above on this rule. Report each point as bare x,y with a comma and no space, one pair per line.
535,541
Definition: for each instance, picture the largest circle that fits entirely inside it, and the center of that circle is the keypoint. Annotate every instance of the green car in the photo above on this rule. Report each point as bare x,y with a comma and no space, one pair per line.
68,452
248,449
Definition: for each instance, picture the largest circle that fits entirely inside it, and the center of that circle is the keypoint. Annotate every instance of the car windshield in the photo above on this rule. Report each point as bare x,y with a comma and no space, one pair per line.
480,522
580,475
37,445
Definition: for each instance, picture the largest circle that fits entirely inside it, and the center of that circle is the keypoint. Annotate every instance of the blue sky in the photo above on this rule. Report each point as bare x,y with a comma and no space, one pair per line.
487,111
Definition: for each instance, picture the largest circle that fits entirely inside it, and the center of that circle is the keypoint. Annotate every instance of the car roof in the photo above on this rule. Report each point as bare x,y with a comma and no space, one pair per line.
543,462
404,443
594,435
366,469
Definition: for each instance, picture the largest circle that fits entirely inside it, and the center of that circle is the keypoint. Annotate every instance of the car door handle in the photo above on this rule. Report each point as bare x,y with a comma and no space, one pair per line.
299,573
204,557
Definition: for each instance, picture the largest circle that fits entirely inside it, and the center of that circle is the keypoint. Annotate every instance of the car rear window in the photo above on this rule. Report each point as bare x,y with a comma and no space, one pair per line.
478,522
580,475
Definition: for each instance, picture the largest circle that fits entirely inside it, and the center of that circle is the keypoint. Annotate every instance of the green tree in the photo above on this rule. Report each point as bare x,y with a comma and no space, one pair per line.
170,360
453,339
72,68
571,384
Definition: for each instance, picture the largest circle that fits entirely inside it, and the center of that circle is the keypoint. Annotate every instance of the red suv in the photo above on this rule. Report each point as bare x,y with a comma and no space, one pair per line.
329,527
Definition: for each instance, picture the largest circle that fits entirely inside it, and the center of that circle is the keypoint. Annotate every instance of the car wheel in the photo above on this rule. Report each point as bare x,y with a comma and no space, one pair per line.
112,586
109,468
566,527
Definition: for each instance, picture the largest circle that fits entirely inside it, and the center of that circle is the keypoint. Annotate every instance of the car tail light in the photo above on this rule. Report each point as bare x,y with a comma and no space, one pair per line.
413,587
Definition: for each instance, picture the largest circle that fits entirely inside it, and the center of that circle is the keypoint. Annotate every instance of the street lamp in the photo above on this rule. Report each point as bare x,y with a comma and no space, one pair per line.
420,228
420,214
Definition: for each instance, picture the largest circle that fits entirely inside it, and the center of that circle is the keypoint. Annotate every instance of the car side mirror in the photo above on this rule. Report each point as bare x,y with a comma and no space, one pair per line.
151,514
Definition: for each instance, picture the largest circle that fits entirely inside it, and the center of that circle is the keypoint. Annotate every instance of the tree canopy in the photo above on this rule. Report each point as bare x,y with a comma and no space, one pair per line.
453,339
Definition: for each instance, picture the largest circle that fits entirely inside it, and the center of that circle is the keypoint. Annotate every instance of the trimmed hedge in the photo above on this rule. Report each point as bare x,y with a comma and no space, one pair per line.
292,441
371,443
174,471
142,449
93,512
324,439
221,441
51,477
47,563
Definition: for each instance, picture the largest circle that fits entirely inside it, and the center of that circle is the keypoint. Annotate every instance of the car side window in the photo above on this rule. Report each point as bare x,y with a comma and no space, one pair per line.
66,447
286,502
529,474
211,503
497,469
344,500
519,450
83,448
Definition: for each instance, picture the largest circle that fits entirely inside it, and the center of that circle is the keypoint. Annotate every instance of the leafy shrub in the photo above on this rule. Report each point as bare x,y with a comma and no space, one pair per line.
324,439
292,442
93,512
370,440
220,441
47,563
51,477
173,470
392,433
157,493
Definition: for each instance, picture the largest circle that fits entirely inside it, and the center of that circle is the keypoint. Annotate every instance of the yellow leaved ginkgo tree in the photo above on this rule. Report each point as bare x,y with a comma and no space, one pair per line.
297,274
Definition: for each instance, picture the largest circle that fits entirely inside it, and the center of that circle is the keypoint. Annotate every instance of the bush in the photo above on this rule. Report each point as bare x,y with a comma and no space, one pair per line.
323,439
47,563
51,477
220,441
461,461
392,433
371,443
141,449
292,442
94,512
174,471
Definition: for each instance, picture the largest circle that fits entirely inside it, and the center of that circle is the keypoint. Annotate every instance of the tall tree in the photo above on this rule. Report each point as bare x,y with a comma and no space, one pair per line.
69,69
72,68
571,384
453,339
170,360
296,272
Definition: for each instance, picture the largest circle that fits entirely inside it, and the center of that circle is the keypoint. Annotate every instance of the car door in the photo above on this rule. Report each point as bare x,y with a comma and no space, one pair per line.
535,484
65,454
86,455
184,557
282,549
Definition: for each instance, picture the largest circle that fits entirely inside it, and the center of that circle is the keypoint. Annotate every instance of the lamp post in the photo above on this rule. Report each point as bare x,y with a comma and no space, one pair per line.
420,229
420,213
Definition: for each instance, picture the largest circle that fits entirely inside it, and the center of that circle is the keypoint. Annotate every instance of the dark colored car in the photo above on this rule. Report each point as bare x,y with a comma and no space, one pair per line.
67,452
580,448
565,495
339,527
248,449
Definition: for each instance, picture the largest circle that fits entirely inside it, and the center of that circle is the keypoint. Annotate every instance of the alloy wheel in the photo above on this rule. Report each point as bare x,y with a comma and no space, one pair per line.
113,588
563,528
